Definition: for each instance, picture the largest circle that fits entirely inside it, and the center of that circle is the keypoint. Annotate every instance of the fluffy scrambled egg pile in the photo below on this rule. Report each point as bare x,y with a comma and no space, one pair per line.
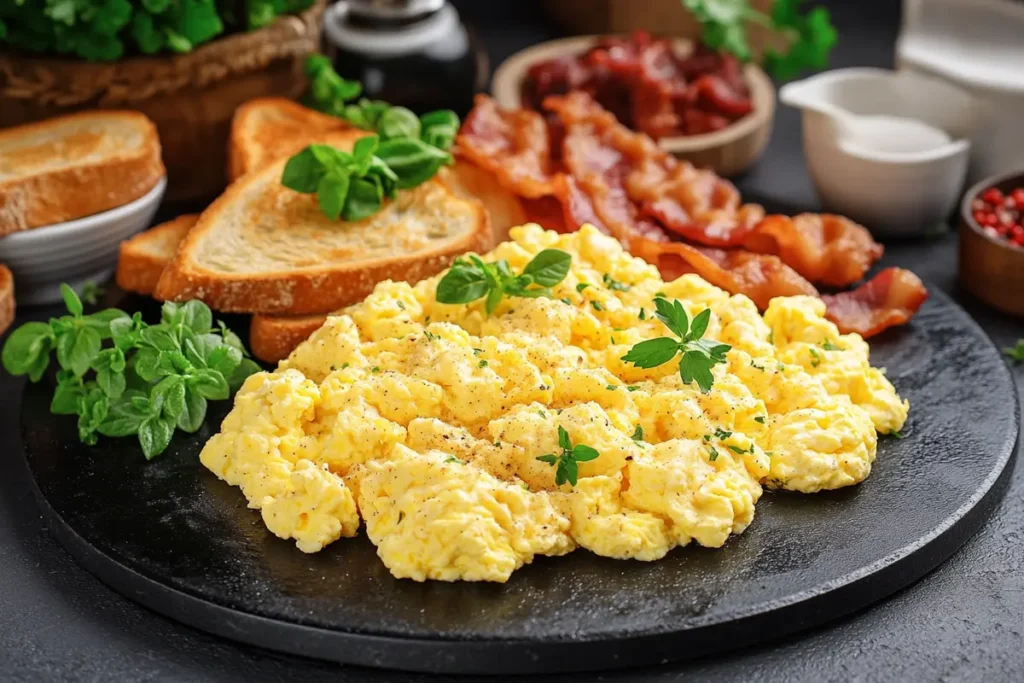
425,420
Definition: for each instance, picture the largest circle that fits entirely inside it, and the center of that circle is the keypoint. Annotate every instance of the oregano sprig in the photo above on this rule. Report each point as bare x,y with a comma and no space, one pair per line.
698,355
150,380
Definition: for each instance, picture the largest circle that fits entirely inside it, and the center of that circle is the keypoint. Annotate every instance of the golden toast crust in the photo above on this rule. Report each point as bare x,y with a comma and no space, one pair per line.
142,259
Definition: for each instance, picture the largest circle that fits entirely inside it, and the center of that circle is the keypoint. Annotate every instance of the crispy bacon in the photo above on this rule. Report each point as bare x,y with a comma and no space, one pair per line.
759,277
823,248
678,217
890,298
512,145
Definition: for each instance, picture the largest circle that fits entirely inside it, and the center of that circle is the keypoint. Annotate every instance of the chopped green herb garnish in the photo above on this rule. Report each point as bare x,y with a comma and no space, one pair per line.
896,434
697,356
452,458
643,314
638,433
721,433
482,364
736,449
759,419
632,387
815,358
567,463
714,453
400,304
581,286
611,387
614,285
829,346
756,366
597,305
375,369
477,352
566,301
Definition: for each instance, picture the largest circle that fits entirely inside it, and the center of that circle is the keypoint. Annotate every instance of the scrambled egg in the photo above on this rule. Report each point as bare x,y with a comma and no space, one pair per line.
425,420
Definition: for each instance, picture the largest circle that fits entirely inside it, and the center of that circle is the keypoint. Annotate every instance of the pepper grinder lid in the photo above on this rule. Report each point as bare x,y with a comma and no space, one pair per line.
388,11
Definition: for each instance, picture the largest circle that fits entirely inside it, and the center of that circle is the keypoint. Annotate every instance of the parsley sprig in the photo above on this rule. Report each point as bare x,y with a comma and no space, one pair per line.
567,463
698,355
469,280
153,379
810,38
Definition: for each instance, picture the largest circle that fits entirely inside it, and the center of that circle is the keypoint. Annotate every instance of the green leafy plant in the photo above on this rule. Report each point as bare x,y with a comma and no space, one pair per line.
334,95
698,355
469,280
353,186
809,37
150,380
1015,352
566,464
106,30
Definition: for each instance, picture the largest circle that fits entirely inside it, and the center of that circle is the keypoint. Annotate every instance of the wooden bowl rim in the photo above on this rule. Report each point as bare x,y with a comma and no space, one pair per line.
509,76
967,216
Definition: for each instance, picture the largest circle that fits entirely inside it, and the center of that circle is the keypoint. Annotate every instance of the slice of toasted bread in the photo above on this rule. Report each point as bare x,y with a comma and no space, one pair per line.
142,259
7,299
263,248
268,128
273,337
75,166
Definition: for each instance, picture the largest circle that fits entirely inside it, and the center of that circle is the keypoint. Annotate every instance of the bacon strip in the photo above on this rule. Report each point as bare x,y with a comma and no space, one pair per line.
513,145
823,248
890,298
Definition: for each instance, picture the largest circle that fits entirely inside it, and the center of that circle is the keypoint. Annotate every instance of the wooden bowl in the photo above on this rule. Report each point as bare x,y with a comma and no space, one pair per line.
728,152
191,97
991,268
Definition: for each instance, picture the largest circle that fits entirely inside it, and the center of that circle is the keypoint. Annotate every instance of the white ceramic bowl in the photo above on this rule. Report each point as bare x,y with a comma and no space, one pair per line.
74,252
893,193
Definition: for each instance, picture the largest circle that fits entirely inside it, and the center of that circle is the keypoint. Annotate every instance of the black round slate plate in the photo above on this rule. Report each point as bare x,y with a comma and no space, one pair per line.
170,535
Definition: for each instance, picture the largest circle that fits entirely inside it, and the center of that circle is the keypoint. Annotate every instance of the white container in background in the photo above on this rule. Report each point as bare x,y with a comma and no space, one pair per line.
890,150
978,46
74,252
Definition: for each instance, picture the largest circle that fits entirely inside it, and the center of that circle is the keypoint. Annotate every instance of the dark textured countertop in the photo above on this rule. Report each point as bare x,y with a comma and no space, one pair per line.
965,621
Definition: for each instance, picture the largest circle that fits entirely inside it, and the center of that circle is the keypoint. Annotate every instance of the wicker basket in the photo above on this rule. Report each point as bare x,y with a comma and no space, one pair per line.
191,97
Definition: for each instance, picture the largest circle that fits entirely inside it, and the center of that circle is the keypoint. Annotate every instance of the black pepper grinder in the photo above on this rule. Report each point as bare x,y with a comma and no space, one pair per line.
413,53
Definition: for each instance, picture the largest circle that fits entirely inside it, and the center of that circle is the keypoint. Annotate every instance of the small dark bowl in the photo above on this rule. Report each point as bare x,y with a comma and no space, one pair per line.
990,267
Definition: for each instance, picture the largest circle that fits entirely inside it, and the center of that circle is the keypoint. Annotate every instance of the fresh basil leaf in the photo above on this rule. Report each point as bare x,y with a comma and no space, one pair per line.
564,442
71,300
191,418
461,285
364,199
398,122
154,436
193,354
333,159
244,370
355,115
570,472
77,348
210,384
170,313
168,396
439,128
493,299
26,346
363,151
126,331
549,267
331,194
122,422
583,453
412,160
303,172
196,316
